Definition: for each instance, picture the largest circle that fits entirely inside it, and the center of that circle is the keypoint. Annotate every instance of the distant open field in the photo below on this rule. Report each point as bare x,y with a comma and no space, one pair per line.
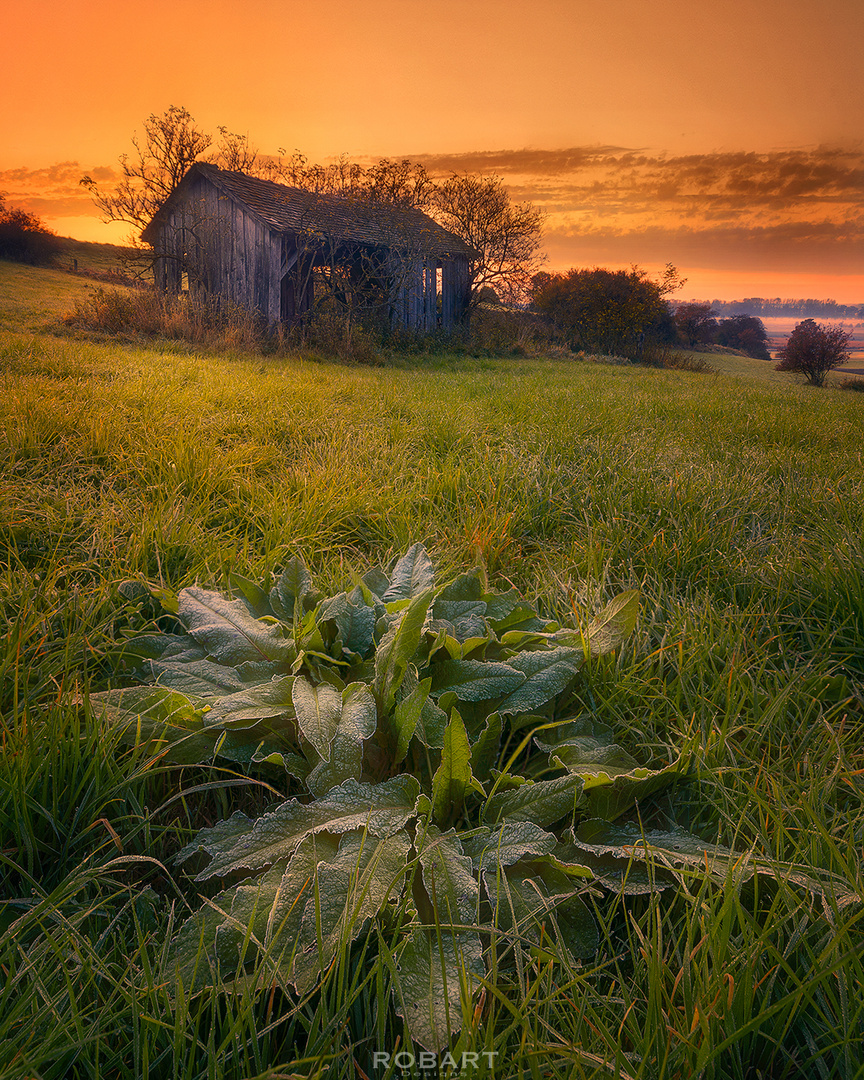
732,500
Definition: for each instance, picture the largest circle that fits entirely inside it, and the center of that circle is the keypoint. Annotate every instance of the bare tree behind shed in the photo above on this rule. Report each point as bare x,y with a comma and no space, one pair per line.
506,235
170,145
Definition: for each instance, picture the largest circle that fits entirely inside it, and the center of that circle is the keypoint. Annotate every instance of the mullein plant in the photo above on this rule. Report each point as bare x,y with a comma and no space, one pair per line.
446,784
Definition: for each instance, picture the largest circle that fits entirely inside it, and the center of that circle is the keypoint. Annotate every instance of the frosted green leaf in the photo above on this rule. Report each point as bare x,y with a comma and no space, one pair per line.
581,727
631,877
262,917
507,844
196,959
610,792
543,802
584,742
536,905
506,609
575,926
448,876
157,719
351,888
506,781
453,776
281,935
474,648
519,640
546,674
180,648
586,747
614,624
681,850
396,649
201,677
432,720
355,623
318,711
466,587
629,841
674,848
357,722
473,680
150,704
453,610
581,757
406,717
265,701
433,981
376,581
613,779
289,592
252,672
382,809
227,630
256,598
431,726
216,837
466,617
412,575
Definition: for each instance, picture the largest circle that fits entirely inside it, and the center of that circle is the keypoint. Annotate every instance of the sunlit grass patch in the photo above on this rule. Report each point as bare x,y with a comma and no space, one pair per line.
734,506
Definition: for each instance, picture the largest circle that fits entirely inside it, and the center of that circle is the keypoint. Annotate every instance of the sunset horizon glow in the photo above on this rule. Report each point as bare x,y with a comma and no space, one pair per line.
725,141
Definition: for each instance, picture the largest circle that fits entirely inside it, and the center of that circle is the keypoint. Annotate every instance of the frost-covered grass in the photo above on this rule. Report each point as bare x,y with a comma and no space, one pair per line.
734,506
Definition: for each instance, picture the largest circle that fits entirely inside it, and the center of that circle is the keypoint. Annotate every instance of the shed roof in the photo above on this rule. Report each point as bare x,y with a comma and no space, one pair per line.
341,217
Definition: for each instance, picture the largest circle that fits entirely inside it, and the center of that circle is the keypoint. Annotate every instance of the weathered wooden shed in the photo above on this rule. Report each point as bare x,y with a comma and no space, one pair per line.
267,247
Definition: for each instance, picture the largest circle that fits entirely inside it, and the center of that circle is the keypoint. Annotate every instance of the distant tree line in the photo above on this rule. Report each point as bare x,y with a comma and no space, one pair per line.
779,308
697,324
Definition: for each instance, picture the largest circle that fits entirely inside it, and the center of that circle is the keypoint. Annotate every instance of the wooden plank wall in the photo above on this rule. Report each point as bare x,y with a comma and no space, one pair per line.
430,296
297,280
398,287
414,305
230,254
415,295
167,268
455,293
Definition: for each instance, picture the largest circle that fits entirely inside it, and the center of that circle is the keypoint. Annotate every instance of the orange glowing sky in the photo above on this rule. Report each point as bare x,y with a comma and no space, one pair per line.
724,137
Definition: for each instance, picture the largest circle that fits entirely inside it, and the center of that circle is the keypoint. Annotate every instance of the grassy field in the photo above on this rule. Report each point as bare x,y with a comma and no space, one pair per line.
734,505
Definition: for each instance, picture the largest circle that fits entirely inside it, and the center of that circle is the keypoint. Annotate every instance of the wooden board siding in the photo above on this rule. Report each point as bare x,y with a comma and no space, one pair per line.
415,295
455,293
398,288
430,296
227,252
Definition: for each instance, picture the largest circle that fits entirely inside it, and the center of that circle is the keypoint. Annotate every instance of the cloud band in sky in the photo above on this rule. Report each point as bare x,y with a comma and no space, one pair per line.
790,211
